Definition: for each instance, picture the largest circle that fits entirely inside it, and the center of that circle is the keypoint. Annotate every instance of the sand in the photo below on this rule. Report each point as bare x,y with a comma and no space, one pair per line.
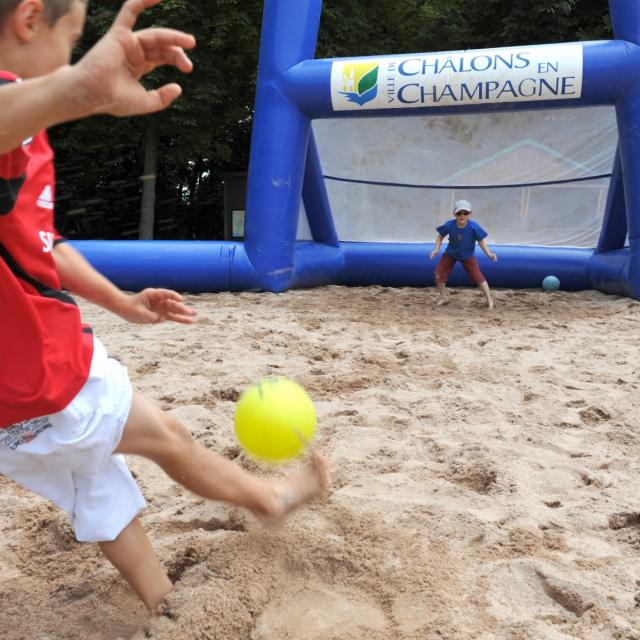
485,468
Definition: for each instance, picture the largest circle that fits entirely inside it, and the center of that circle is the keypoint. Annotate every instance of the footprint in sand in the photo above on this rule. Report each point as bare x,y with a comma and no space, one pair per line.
572,597
593,415
626,526
477,475
182,561
211,524
524,589
147,367
319,612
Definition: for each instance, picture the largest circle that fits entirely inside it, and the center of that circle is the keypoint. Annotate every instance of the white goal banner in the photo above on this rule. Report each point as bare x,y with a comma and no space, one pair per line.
518,74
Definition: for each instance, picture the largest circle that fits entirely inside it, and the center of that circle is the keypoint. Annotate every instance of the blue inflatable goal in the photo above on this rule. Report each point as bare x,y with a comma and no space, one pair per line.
355,161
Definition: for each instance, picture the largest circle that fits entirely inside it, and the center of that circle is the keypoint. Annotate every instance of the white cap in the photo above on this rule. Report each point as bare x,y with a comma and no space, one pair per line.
462,205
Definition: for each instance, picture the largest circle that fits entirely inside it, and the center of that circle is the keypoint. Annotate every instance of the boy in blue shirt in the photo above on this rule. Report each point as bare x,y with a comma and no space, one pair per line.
463,234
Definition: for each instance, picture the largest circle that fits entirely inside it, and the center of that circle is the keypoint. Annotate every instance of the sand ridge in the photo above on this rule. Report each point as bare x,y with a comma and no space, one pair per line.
485,465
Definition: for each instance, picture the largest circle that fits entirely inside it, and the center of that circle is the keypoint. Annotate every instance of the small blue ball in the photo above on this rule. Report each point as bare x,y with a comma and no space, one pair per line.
551,283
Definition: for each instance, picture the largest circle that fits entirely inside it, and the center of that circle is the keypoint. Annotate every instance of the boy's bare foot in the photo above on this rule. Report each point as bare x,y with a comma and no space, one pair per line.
490,303
296,490
442,302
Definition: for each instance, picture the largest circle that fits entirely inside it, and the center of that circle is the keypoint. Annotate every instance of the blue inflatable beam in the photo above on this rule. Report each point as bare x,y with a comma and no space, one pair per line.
609,69
316,199
279,143
195,266
614,225
396,265
293,89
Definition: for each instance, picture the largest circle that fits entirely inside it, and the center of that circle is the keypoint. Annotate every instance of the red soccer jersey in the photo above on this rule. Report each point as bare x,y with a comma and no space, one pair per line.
45,350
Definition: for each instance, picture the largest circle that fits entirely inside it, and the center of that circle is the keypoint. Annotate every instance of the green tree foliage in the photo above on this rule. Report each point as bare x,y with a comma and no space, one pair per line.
507,22
204,133
207,131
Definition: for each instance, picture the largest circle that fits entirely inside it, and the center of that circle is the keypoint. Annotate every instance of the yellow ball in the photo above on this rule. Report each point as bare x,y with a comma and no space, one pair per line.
275,419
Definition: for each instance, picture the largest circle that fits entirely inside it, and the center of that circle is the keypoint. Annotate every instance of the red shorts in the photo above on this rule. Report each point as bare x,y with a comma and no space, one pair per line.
470,266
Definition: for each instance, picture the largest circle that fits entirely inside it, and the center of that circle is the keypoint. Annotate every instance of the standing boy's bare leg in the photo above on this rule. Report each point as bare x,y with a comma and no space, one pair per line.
484,287
151,433
442,290
131,553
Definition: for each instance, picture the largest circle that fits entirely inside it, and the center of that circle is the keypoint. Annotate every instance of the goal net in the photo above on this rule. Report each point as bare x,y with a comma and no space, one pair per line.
535,177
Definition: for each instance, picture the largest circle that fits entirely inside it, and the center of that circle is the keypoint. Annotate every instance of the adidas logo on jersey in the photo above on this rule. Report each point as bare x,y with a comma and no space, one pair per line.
45,199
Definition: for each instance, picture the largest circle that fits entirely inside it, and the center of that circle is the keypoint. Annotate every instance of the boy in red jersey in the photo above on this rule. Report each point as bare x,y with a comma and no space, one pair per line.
67,410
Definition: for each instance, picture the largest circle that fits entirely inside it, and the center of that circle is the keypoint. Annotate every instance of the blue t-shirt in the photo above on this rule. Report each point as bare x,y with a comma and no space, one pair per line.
462,242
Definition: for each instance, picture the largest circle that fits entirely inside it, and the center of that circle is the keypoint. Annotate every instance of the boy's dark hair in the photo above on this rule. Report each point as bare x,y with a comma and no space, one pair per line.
53,9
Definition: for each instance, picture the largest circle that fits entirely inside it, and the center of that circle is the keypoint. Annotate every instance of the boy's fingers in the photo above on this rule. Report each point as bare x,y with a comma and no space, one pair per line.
158,99
160,38
165,294
174,56
148,67
131,9
178,58
178,307
178,312
176,317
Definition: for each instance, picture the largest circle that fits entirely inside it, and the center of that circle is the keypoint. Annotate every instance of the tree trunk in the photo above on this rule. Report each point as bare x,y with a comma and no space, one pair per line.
193,181
147,207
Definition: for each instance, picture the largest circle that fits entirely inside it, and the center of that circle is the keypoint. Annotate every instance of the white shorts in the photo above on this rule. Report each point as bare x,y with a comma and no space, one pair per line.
68,458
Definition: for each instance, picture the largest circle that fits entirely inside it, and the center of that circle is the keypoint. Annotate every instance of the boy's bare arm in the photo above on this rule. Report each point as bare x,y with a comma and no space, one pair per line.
436,249
487,251
33,105
106,80
147,306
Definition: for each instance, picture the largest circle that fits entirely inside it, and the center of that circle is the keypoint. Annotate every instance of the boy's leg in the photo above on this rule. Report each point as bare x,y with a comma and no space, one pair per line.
442,290
472,269
443,269
151,433
132,555
484,287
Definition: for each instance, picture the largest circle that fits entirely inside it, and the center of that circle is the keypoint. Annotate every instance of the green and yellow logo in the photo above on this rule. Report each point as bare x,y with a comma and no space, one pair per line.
360,82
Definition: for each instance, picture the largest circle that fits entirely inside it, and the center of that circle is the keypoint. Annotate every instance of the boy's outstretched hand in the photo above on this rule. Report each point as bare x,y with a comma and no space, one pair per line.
156,305
110,72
